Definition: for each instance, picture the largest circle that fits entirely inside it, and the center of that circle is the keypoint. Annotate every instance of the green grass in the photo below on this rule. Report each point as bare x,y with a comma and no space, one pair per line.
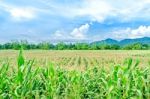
125,81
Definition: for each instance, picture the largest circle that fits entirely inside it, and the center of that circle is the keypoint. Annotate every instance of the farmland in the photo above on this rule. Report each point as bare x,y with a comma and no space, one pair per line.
79,59
66,74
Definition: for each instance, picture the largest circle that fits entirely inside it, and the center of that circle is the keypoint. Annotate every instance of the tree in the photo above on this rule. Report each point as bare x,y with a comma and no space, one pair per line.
7,46
24,44
145,46
115,47
61,46
105,46
94,47
71,46
78,46
44,45
15,45
84,46
1,46
135,46
81,46
32,46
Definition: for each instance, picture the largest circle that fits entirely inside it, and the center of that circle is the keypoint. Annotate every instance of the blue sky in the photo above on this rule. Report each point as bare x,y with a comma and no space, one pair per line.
73,20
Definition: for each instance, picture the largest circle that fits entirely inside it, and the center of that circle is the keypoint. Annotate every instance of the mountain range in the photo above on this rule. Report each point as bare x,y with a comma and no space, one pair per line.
144,40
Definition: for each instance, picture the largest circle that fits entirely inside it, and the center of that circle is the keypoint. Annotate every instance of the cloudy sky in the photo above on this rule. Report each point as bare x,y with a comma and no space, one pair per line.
69,20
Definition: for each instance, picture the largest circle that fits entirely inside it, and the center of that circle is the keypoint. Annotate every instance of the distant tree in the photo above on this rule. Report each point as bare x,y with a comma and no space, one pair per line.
1,46
145,47
32,46
77,46
115,47
24,44
94,47
84,46
16,45
105,47
44,45
71,46
51,46
127,47
61,46
137,46
7,46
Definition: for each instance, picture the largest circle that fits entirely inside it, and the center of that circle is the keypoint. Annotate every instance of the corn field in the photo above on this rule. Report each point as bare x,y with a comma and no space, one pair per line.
126,81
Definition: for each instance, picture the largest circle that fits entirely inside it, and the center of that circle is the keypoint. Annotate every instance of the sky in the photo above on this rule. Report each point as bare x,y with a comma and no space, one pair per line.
73,20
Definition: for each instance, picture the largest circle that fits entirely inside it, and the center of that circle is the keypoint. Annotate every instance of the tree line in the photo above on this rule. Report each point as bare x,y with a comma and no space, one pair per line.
16,45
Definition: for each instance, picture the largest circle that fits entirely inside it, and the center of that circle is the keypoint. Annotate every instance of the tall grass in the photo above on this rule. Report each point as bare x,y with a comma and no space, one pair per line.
122,82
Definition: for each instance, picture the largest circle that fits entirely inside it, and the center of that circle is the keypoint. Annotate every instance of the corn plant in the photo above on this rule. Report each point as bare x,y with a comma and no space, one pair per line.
126,81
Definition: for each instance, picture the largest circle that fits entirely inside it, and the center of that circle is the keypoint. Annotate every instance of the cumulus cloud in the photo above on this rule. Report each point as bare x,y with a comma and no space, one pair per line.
80,33
141,31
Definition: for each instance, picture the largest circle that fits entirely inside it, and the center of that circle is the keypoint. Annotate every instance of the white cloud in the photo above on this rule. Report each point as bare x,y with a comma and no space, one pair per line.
99,10
76,34
22,13
18,13
58,33
130,10
95,10
80,33
141,31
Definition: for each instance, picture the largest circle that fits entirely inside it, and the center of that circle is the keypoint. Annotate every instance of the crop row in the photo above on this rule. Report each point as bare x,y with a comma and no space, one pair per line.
77,61
52,82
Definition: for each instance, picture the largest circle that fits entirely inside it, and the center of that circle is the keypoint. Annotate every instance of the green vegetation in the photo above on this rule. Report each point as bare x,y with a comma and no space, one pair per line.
120,82
77,46
69,58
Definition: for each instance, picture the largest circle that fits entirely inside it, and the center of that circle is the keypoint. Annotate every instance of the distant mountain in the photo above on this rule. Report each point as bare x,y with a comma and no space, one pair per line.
144,40
107,41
